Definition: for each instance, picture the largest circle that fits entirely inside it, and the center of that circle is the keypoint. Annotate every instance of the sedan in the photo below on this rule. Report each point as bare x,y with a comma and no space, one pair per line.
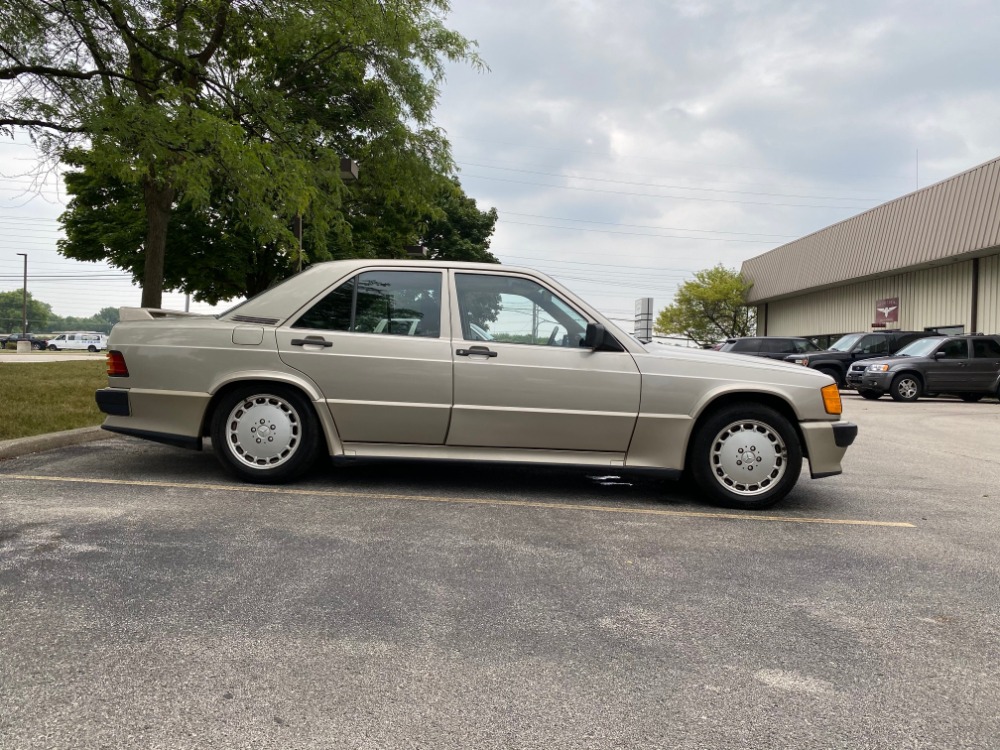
461,361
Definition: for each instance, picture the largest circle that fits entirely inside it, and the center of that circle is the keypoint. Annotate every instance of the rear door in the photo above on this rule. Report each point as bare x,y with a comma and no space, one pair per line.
776,348
984,367
384,382
522,380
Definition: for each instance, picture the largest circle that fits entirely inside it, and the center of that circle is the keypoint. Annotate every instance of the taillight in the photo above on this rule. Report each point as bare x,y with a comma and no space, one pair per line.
116,365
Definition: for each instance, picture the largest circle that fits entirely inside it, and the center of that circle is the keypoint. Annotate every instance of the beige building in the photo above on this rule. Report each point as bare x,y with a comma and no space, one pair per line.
927,261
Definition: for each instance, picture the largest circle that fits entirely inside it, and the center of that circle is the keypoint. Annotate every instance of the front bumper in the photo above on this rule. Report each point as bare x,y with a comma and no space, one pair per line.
826,444
869,381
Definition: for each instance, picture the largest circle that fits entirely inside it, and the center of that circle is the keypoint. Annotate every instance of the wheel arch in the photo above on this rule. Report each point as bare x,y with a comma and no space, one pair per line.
304,387
762,398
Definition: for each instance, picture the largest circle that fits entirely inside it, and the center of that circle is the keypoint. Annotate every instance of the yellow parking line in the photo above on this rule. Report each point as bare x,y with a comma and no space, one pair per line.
748,516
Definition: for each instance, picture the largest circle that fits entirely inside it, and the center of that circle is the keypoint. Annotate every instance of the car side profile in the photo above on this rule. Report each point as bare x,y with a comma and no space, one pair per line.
461,361
90,341
966,366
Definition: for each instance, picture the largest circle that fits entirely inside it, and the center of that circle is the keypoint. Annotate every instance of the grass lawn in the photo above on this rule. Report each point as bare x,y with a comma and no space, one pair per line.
42,397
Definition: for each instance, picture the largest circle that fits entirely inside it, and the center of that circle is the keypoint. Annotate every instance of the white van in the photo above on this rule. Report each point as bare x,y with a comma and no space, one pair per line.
89,340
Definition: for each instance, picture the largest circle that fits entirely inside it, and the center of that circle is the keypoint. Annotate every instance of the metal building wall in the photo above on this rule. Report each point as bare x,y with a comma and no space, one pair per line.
940,296
989,294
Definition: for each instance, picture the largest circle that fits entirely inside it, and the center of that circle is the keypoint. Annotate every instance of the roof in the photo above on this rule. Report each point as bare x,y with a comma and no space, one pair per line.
957,217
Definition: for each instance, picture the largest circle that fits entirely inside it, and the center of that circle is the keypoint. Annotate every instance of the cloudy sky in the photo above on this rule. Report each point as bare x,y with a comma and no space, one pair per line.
628,144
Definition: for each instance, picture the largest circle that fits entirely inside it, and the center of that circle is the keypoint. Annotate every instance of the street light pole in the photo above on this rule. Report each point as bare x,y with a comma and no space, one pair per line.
24,298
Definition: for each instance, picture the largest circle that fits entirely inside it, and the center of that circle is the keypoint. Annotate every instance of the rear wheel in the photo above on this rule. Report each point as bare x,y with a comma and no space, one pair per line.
746,456
906,387
870,395
265,433
91,348
38,347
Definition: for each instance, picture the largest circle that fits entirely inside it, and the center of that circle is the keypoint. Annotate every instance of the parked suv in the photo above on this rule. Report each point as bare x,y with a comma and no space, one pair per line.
851,347
966,366
773,347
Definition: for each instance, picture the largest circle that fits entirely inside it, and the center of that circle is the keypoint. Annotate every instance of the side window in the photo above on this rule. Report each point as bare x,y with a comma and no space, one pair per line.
776,346
872,345
516,311
954,349
985,348
745,345
393,303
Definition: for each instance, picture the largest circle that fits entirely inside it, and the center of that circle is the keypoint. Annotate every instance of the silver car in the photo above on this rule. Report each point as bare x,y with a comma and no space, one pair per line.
436,360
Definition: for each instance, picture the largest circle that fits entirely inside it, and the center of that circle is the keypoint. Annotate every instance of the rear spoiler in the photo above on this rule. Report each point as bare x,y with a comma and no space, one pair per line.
153,313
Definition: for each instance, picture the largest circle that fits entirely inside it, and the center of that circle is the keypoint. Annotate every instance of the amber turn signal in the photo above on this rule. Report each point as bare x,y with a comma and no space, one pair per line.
831,399
116,365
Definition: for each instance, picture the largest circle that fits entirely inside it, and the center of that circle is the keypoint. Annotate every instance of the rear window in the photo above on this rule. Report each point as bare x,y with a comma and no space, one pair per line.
743,345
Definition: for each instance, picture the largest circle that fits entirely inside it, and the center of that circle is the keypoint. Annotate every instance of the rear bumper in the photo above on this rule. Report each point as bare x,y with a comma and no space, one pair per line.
826,444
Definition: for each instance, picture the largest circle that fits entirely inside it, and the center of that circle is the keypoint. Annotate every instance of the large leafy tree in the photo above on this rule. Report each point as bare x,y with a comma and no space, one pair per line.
710,307
183,103
212,255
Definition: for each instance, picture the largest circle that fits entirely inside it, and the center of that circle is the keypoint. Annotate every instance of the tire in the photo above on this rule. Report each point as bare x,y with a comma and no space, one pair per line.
91,348
870,395
53,348
717,457
971,398
292,441
906,387
38,347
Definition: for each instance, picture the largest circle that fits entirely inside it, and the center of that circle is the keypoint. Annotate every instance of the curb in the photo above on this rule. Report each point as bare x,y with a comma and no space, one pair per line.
37,443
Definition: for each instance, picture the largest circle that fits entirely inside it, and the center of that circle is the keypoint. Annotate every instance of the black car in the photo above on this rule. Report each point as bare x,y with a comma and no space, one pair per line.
851,347
774,347
36,343
966,366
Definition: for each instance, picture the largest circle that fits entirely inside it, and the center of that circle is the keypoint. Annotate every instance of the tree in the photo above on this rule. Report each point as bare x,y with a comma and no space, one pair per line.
710,307
181,101
12,312
212,255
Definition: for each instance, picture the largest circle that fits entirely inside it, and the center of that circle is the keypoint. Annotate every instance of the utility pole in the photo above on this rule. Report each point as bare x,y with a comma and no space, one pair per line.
24,298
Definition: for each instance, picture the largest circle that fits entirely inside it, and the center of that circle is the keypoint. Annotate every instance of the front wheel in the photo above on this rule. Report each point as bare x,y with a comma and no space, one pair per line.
265,433
906,387
746,456
870,395
53,348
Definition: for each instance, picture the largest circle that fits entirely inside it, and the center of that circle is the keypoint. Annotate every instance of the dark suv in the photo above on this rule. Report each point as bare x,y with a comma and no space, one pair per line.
774,347
966,366
36,343
854,346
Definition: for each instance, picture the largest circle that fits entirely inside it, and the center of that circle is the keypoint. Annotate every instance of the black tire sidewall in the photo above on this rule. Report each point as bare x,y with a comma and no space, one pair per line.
700,455
310,438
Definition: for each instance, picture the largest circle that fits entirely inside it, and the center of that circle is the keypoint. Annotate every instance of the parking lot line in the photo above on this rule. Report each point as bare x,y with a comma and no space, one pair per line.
746,516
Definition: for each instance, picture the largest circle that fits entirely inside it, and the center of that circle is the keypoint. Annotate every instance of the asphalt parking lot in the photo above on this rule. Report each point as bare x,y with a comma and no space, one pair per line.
147,601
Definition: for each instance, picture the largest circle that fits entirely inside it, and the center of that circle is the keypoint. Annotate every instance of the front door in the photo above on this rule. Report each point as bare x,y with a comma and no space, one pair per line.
522,380
374,346
949,368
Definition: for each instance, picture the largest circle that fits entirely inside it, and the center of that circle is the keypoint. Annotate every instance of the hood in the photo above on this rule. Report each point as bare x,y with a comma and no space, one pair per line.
735,366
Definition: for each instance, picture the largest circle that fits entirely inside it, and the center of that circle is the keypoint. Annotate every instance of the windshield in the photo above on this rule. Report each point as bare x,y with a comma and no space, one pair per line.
846,343
919,348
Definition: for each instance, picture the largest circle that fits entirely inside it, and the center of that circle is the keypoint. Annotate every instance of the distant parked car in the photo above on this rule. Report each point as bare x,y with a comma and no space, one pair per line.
966,366
851,347
36,343
89,340
772,347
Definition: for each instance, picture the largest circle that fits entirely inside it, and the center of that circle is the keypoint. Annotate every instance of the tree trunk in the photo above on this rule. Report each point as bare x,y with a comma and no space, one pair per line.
159,202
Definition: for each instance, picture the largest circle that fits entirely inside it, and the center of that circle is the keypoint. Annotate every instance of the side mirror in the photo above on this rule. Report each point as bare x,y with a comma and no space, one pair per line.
594,337
939,355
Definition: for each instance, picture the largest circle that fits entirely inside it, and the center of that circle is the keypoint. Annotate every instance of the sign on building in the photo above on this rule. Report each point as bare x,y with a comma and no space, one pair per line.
644,319
886,311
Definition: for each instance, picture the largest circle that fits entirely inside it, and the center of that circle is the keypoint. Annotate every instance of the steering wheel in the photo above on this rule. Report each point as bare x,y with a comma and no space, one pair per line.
552,336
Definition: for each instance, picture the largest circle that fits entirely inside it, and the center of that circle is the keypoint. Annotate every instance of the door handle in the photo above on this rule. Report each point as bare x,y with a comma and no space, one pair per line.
483,351
312,341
